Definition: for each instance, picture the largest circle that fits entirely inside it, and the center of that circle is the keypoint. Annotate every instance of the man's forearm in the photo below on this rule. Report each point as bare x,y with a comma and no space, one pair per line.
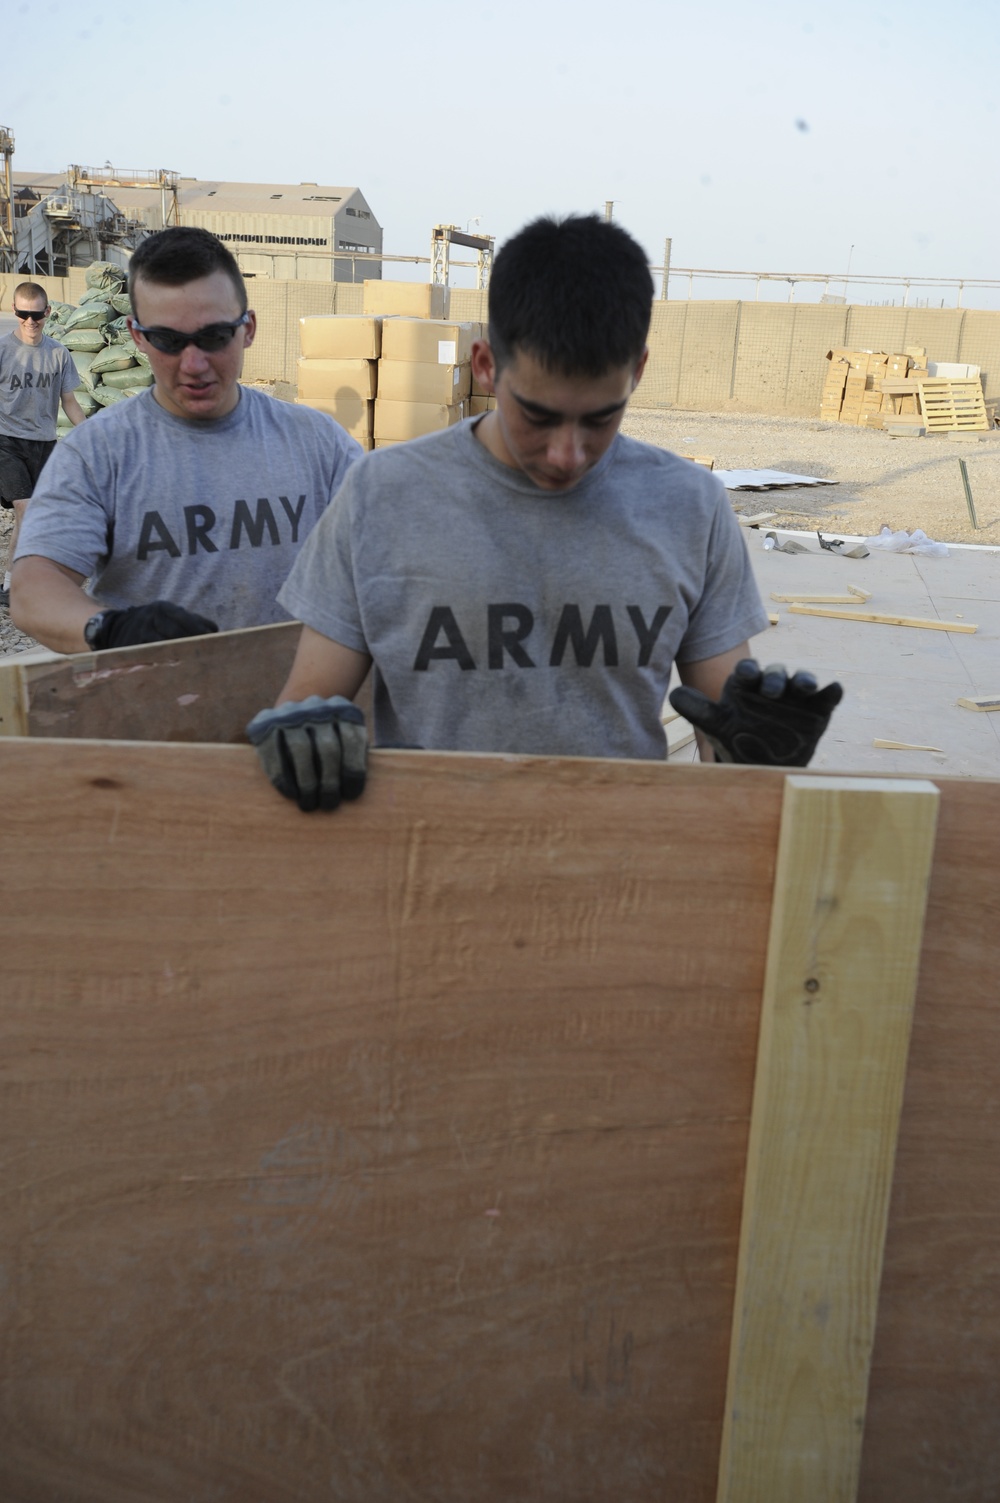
48,602
73,410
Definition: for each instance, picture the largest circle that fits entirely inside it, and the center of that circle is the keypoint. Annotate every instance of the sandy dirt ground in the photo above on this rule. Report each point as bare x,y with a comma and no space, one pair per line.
906,482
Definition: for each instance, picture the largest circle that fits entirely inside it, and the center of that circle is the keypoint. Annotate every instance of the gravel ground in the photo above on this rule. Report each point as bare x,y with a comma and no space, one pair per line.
907,482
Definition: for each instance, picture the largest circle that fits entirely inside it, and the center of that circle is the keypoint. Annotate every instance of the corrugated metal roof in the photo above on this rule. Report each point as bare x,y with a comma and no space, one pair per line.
239,198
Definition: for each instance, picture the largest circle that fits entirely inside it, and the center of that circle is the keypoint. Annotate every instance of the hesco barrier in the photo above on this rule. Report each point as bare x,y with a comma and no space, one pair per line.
704,356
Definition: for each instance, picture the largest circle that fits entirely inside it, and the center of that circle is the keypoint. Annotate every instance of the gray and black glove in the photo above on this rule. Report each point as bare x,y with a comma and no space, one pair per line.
314,750
160,621
763,717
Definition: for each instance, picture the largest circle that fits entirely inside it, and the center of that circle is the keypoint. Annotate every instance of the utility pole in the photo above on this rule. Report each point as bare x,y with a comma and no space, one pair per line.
667,244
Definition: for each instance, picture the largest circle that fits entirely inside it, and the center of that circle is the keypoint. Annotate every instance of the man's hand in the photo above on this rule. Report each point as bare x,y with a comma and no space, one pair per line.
762,717
314,750
160,621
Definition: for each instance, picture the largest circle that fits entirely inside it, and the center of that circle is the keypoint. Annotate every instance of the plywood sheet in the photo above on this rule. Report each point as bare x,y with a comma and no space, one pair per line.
193,689
399,1154
369,1157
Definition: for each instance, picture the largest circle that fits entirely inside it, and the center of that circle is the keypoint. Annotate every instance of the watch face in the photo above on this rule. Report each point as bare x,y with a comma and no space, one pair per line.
91,629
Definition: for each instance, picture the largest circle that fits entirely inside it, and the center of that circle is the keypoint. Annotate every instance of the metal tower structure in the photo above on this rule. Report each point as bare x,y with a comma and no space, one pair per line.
7,255
126,177
443,237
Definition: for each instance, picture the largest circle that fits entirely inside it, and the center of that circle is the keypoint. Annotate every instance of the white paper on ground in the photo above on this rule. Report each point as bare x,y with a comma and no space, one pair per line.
765,480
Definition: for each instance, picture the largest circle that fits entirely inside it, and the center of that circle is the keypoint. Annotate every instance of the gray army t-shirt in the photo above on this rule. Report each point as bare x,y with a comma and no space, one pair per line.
210,515
33,379
505,618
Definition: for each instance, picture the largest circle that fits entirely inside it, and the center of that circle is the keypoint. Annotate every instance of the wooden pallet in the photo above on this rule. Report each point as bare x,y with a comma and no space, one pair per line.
953,404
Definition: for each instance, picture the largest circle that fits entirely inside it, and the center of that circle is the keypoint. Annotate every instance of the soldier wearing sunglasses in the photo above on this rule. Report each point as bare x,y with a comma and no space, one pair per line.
181,510
36,374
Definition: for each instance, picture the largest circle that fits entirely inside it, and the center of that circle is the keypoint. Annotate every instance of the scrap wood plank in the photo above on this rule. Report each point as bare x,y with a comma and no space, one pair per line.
191,689
953,404
804,599
467,1068
980,702
880,619
854,863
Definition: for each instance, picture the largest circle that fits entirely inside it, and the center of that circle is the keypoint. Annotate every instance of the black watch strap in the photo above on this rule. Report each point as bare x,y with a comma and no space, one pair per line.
92,627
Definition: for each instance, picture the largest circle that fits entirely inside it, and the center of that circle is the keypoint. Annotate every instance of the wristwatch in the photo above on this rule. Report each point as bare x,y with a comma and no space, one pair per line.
92,628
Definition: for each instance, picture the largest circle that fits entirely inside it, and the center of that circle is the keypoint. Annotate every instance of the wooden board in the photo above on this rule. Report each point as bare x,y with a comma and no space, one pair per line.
193,689
953,404
854,861
399,1154
879,618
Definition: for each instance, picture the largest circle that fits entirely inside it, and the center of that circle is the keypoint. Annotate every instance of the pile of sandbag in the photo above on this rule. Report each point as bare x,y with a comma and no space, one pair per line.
96,335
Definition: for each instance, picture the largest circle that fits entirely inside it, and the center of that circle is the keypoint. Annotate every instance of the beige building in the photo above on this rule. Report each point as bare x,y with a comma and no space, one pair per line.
288,232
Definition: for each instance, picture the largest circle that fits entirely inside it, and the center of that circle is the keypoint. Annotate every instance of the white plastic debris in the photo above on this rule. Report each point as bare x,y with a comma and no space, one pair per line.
907,542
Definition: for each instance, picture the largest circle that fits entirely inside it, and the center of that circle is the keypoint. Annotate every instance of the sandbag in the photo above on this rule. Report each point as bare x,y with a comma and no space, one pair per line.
121,302
89,316
106,274
114,357
82,339
94,295
83,359
116,330
88,402
107,395
133,376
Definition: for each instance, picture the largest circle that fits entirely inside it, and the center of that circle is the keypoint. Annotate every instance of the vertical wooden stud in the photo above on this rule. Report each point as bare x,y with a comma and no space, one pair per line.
854,863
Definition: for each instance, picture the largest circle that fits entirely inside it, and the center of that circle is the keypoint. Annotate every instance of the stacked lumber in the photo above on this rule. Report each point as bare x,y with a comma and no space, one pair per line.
386,380
855,387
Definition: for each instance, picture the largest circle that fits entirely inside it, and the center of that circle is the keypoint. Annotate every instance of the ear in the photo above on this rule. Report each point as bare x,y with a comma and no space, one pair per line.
249,329
137,338
484,365
640,367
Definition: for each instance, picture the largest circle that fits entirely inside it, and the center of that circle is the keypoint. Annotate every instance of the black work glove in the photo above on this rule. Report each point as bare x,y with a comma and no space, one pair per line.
762,717
314,750
160,621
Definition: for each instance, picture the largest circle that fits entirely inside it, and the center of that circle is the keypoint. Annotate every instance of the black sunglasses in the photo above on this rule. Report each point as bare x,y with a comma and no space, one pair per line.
28,313
211,338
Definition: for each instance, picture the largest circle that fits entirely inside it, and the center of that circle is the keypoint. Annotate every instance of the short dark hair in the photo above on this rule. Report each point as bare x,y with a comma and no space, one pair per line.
32,290
576,293
182,254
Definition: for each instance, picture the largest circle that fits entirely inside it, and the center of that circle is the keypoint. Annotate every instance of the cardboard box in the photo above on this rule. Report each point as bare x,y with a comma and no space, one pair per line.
413,381
340,336
480,403
428,341
916,352
356,419
328,379
406,299
402,420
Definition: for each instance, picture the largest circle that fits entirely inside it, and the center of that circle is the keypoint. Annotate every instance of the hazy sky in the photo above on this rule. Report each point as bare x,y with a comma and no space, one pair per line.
771,137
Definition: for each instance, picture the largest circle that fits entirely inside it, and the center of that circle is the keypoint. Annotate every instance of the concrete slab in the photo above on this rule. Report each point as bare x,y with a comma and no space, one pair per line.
901,683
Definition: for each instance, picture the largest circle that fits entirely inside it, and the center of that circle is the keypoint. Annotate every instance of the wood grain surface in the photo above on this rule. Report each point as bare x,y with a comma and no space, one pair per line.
370,1156
192,689
854,862
398,1154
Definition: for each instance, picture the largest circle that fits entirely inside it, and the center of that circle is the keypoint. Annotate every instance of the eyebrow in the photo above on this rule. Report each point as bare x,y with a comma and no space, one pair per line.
536,409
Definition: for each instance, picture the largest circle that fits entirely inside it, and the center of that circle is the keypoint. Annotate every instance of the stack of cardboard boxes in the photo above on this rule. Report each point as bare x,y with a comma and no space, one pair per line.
397,371
852,392
338,370
424,377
